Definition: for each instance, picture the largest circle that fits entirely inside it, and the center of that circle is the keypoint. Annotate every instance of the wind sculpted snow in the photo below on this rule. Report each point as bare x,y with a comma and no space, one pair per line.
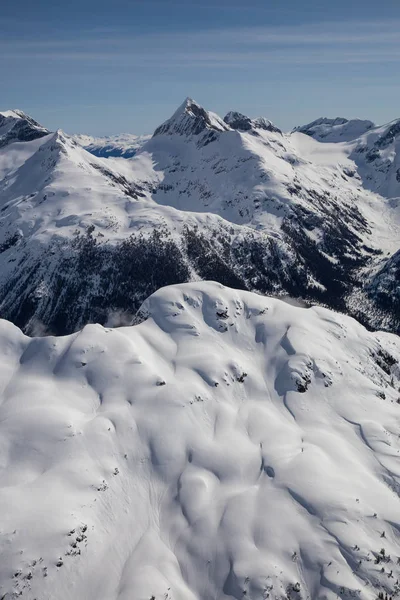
229,445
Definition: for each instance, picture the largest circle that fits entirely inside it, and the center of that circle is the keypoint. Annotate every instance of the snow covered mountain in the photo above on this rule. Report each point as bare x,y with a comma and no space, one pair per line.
87,239
375,155
238,121
228,446
336,130
124,145
17,126
374,149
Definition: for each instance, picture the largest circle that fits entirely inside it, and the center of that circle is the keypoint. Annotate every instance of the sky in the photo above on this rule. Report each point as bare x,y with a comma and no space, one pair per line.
107,67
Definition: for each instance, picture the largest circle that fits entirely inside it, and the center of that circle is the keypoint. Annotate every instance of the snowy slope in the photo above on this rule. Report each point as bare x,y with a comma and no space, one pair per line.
229,446
336,130
124,145
254,176
373,157
307,196
58,188
233,200
374,150
377,155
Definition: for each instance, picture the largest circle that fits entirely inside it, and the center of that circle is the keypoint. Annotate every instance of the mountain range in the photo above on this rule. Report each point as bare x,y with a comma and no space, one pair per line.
313,214
195,400
124,145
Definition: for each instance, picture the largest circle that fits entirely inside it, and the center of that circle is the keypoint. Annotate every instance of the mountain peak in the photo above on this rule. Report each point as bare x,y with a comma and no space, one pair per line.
237,120
57,140
240,122
12,114
263,123
188,105
16,115
16,126
191,119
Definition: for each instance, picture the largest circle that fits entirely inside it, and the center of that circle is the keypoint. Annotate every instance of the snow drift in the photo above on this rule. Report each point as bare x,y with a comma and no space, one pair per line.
227,446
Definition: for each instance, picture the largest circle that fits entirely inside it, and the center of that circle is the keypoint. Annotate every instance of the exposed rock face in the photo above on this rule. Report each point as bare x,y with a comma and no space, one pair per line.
384,289
242,123
191,119
389,136
16,126
238,121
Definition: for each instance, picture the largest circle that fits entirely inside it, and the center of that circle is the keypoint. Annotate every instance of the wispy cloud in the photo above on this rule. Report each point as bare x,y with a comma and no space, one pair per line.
330,43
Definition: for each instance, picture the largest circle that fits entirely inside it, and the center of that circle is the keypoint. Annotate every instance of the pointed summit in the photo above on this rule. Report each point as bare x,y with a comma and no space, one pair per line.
58,143
188,106
191,119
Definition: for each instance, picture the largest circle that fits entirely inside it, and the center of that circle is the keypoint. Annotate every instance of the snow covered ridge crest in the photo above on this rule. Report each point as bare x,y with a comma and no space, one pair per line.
230,445
241,122
336,130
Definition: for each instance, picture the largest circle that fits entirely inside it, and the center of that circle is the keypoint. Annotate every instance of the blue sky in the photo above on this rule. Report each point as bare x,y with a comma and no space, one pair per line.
125,65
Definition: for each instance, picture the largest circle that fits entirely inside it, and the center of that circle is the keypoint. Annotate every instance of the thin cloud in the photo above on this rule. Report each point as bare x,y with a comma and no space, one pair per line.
330,43
384,32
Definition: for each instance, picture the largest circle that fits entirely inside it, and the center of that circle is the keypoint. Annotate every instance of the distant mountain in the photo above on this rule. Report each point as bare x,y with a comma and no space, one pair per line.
86,239
377,155
375,150
228,446
124,145
336,130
